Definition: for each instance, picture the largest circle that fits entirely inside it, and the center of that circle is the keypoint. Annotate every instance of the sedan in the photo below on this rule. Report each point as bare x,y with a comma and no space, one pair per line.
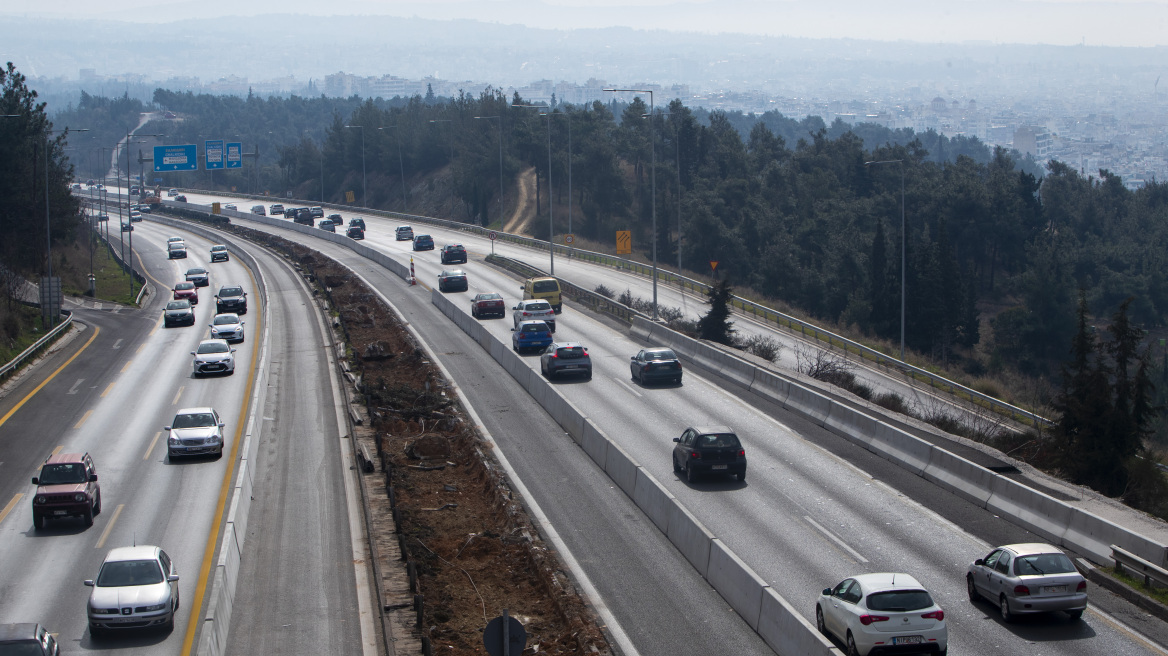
882,613
529,335
180,198
230,206
1028,578
705,450
186,291
452,280
488,304
213,356
227,326
453,253
136,587
194,431
178,313
199,276
219,253
355,232
565,358
135,216
127,227
653,364
534,310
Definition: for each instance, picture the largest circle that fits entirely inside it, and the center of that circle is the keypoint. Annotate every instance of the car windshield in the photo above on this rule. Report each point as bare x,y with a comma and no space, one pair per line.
539,307
177,305
185,285
542,286
899,600
196,420
718,440
214,347
226,320
62,473
231,291
535,327
129,572
663,354
1040,564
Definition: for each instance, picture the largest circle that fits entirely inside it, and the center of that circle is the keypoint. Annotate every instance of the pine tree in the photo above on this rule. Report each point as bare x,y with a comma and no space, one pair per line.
716,325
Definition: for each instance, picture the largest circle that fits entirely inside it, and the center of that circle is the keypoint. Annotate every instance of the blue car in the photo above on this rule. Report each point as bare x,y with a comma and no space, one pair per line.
530,335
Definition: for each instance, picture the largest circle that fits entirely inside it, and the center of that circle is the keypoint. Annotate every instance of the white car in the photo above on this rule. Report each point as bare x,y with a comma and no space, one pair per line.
227,327
136,587
171,193
230,206
214,356
534,310
882,612
194,431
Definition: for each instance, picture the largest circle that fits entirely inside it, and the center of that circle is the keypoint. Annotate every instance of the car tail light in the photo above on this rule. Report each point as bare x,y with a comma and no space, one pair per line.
741,452
1021,591
555,355
935,615
1082,587
695,455
868,619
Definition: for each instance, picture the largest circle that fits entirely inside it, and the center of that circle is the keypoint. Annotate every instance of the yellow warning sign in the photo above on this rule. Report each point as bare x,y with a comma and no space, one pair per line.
624,242
215,207
350,197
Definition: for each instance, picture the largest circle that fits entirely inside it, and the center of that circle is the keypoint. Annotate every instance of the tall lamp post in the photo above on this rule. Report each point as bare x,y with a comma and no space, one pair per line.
130,259
363,187
902,243
500,126
653,183
450,138
405,204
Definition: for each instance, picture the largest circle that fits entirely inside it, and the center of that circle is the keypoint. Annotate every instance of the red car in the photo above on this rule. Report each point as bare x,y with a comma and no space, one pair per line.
487,305
186,291
66,487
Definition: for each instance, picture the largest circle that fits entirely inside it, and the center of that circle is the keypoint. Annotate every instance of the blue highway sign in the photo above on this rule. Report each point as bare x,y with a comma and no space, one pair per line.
214,154
176,158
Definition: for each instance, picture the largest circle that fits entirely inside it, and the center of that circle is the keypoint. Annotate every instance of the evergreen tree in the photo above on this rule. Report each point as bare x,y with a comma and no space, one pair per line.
716,325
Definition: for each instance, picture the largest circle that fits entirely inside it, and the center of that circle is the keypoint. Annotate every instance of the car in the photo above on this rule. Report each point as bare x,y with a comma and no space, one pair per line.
316,212
135,216
360,223
66,487
546,288
180,198
76,186
231,298
403,233
290,212
452,253
219,253
194,431
199,276
213,356
258,209
178,313
423,243
135,207
452,280
89,182
103,218
134,190
355,232
1028,578
230,206
530,335
176,250
488,304
336,218
186,291
136,588
882,613
276,209
171,240
565,358
99,187
705,450
654,364
145,209
532,310
27,639
325,224
227,326
127,227
171,193
304,217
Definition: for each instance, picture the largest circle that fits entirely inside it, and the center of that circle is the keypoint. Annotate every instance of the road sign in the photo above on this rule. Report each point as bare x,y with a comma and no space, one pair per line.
569,238
157,180
234,155
214,154
713,265
350,197
176,158
491,235
215,208
624,242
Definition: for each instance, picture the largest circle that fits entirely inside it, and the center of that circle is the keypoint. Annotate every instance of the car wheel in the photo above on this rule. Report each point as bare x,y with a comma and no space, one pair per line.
169,626
974,595
819,623
1004,607
852,649
88,517
1075,615
742,477
97,506
691,476
676,467
589,376
38,521
679,380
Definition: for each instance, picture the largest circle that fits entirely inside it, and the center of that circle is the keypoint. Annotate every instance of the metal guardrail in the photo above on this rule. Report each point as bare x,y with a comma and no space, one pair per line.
1138,566
41,343
745,306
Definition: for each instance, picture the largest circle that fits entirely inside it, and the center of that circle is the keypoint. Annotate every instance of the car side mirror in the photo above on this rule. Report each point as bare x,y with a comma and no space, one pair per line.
979,563
677,439
633,358
243,323
192,352
172,578
88,582
233,350
93,478
210,325
221,424
166,428
35,480
827,592
512,330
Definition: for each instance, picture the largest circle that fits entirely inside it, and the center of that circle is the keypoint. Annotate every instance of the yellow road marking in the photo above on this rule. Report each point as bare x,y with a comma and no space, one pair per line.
109,527
107,390
58,449
10,506
16,407
143,344
150,448
178,395
83,418
127,365
224,492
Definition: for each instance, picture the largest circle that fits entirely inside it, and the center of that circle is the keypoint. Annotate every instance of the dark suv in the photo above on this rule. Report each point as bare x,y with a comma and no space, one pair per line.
231,299
67,487
423,243
452,253
565,358
709,450
304,217
27,638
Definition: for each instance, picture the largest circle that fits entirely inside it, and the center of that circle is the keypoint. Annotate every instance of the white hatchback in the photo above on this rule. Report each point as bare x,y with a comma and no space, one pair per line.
534,310
882,612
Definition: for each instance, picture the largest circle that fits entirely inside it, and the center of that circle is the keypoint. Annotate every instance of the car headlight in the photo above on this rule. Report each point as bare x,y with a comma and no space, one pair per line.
104,611
79,497
42,500
155,607
174,440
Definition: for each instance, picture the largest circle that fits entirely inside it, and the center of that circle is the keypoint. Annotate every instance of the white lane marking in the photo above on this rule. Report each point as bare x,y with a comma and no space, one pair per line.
626,386
118,344
836,539
73,390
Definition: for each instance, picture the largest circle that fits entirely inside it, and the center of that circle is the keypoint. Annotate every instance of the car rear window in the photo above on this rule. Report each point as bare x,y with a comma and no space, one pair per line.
490,297
899,600
543,286
1040,564
664,354
541,306
535,328
569,352
718,440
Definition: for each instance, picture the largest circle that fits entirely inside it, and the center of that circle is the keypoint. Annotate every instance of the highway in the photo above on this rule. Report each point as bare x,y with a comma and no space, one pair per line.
815,509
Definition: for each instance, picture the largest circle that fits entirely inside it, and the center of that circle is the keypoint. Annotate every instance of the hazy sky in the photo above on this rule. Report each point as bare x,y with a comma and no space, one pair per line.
1138,23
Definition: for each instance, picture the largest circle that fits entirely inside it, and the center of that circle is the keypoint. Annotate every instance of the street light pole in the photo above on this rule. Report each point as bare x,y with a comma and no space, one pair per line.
500,163
653,188
902,245
364,189
405,205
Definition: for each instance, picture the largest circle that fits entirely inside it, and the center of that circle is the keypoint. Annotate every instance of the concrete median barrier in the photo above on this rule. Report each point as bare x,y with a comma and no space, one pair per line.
691,537
621,468
571,419
775,388
812,405
736,582
595,444
1093,535
851,423
906,450
960,476
653,500
1041,513
739,371
787,632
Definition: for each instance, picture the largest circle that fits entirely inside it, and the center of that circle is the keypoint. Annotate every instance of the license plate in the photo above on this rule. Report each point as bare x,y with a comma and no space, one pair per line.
719,467
58,512
571,366
1055,589
908,640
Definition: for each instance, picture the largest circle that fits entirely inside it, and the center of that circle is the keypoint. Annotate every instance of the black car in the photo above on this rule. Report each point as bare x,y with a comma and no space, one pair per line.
360,223
703,450
423,243
178,313
565,358
290,212
336,218
231,299
27,638
452,253
654,364
355,232
452,280
304,217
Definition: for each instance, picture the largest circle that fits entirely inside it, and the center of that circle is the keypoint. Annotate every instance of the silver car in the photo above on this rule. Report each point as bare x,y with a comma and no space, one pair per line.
199,276
534,310
194,431
136,587
228,327
214,356
1028,578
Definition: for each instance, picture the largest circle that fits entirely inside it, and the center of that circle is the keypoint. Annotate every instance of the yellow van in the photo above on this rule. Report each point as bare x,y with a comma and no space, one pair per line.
544,288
